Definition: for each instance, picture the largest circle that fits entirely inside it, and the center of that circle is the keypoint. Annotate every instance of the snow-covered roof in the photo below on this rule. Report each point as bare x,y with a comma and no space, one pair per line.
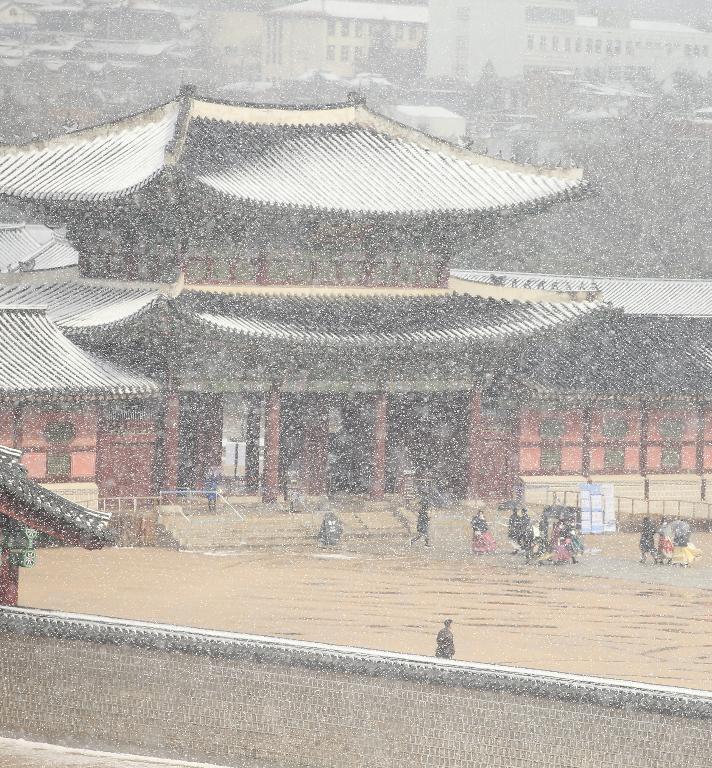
317,320
671,27
425,110
33,247
352,9
369,322
79,307
342,158
634,295
643,25
37,359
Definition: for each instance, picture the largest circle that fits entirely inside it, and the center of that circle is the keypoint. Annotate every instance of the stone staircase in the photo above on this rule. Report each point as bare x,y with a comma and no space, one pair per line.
274,528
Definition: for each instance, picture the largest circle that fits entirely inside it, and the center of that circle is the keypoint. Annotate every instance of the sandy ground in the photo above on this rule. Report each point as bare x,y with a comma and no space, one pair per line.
608,616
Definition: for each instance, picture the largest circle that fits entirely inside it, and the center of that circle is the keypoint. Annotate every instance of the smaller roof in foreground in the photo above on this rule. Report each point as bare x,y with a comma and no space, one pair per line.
33,247
634,295
80,307
37,359
356,321
41,509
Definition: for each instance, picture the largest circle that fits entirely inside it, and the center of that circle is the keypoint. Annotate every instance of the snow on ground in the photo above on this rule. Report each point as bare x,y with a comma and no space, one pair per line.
18,753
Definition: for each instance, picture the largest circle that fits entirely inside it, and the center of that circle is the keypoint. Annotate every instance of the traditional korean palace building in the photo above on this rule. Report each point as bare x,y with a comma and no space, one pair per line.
281,276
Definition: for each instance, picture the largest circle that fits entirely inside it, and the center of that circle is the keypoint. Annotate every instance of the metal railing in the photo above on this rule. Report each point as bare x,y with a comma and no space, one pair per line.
628,505
196,502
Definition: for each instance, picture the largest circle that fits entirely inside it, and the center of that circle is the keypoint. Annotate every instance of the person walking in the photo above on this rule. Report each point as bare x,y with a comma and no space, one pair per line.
482,540
445,642
422,526
665,546
647,540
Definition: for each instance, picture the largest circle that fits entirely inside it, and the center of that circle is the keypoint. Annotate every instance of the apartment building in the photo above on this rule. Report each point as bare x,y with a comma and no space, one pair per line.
343,37
521,36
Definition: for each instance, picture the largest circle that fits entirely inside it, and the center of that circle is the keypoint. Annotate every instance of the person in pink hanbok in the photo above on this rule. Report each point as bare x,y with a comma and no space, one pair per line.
483,542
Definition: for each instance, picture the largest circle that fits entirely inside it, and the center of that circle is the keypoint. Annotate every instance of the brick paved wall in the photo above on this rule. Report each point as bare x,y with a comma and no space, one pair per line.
241,700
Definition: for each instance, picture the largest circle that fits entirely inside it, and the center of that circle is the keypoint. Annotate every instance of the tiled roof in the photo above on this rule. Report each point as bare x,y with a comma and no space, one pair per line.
634,295
26,248
361,321
95,164
352,168
49,511
343,158
80,306
36,358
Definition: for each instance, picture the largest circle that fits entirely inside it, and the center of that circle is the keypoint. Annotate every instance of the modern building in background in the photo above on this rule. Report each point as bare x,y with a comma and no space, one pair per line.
345,37
523,36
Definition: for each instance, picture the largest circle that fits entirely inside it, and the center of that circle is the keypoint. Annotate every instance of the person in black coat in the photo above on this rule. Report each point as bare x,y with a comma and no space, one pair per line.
445,642
422,526
647,540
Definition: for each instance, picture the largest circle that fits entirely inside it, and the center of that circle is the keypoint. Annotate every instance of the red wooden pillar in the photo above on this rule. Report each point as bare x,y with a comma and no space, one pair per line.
171,441
9,580
700,449
252,445
316,446
270,483
474,442
17,415
586,442
643,456
380,433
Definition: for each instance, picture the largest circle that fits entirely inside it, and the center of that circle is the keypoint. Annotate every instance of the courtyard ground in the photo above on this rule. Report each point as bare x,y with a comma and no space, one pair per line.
607,616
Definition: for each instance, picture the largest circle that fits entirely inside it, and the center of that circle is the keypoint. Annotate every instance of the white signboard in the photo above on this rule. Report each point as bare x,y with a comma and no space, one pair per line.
598,508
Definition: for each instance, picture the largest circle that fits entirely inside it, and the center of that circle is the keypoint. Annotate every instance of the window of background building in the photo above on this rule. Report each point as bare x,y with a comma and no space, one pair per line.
462,13
609,47
530,43
554,43
589,46
542,15
330,52
617,48
599,46
579,44
551,459
412,32
399,31
330,27
542,43
344,53
358,29
358,54
345,28
629,48
567,45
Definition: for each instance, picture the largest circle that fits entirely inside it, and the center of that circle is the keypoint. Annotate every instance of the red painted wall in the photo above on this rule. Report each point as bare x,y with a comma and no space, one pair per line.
32,429
571,443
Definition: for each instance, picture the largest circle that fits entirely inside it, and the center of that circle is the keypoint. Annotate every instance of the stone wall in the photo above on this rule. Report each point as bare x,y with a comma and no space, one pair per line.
243,700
